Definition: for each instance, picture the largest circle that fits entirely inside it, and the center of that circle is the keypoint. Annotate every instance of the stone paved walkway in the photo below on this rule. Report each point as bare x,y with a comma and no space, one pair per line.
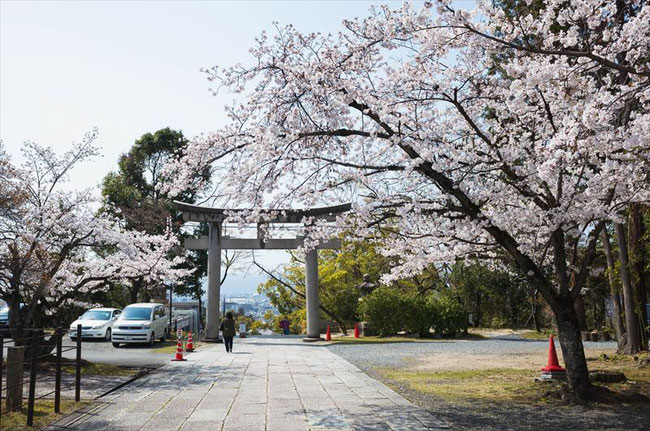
269,384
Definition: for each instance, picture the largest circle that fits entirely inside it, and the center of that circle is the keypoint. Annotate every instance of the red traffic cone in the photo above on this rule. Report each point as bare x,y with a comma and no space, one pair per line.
356,330
553,364
328,335
190,343
179,351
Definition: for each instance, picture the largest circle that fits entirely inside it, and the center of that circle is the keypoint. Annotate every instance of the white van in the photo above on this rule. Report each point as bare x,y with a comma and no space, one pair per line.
141,323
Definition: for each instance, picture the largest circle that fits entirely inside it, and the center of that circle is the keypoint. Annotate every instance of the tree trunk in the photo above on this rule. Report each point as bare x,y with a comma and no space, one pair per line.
535,311
631,317
479,311
637,266
133,291
579,305
571,345
616,301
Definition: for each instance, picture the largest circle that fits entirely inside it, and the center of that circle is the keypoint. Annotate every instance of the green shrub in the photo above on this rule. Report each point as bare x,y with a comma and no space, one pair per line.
499,322
451,317
420,315
384,310
390,310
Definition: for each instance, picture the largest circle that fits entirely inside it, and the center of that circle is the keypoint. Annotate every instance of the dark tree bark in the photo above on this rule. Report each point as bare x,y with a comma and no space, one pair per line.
571,344
534,310
636,230
616,300
479,311
134,290
633,344
580,311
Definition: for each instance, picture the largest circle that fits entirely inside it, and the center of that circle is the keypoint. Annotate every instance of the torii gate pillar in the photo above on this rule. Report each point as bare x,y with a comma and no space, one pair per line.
215,242
214,283
311,291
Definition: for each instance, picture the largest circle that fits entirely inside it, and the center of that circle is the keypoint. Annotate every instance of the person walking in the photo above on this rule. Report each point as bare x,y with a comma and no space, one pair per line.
228,330
284,324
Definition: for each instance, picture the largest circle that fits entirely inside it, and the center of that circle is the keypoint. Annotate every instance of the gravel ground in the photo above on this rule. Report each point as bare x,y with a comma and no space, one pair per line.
395,355
484,415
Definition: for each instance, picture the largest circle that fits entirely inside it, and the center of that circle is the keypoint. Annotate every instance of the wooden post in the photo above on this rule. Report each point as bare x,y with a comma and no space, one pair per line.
57,378
2,362
15,359
32,380
77,380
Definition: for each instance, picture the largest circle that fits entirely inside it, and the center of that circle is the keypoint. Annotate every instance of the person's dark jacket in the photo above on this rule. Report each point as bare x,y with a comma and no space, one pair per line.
228,327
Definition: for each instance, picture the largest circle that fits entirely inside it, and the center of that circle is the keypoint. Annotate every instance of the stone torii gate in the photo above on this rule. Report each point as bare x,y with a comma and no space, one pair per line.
215,242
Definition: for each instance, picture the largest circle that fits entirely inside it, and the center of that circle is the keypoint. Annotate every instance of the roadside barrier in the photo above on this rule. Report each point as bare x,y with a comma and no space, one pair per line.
15,366
552,370
179,350
190,343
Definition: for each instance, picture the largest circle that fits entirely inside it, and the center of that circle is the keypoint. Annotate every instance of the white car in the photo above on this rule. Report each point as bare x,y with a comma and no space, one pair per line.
95,323
141,323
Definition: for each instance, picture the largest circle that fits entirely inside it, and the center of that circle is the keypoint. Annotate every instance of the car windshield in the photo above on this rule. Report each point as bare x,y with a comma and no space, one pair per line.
4,313
96,315
136,313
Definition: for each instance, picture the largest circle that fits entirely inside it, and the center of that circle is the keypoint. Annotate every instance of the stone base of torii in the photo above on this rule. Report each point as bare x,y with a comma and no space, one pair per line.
215,242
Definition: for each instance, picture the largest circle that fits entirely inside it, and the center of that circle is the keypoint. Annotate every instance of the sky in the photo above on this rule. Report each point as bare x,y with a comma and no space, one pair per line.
129,68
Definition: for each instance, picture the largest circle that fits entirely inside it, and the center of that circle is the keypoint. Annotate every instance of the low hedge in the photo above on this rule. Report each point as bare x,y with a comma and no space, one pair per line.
390,310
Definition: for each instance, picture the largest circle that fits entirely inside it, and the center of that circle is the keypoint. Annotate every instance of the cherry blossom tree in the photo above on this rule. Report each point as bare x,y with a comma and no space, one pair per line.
483,133
56,247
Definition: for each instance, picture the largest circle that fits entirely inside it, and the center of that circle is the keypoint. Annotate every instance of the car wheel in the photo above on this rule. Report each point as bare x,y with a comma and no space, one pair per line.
116,345
73,338
107,337
164,336
152,340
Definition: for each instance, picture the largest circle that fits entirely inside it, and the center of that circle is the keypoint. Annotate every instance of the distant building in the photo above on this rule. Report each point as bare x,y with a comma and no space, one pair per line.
186,305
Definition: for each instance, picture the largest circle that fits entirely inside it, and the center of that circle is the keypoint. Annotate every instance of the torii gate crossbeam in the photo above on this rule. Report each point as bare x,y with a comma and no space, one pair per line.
215,242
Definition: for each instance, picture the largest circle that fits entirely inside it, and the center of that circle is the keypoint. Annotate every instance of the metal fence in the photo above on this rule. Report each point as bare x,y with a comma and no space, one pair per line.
33,341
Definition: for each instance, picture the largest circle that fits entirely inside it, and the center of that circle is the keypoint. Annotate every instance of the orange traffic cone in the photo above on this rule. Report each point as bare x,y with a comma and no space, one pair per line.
328,336
552,363
552,370
190,343
356,330
179,351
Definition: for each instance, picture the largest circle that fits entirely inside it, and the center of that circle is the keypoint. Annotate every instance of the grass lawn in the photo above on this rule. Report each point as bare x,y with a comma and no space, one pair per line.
43,415
349,339
68,367
517,385
100,369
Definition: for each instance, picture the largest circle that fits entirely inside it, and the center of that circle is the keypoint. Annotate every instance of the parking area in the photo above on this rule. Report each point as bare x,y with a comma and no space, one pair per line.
132,355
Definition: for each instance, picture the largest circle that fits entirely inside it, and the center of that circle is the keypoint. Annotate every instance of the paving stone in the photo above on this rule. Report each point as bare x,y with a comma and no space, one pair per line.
287,424
163,424
208,415
287,387
236,422
246,408
202,426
